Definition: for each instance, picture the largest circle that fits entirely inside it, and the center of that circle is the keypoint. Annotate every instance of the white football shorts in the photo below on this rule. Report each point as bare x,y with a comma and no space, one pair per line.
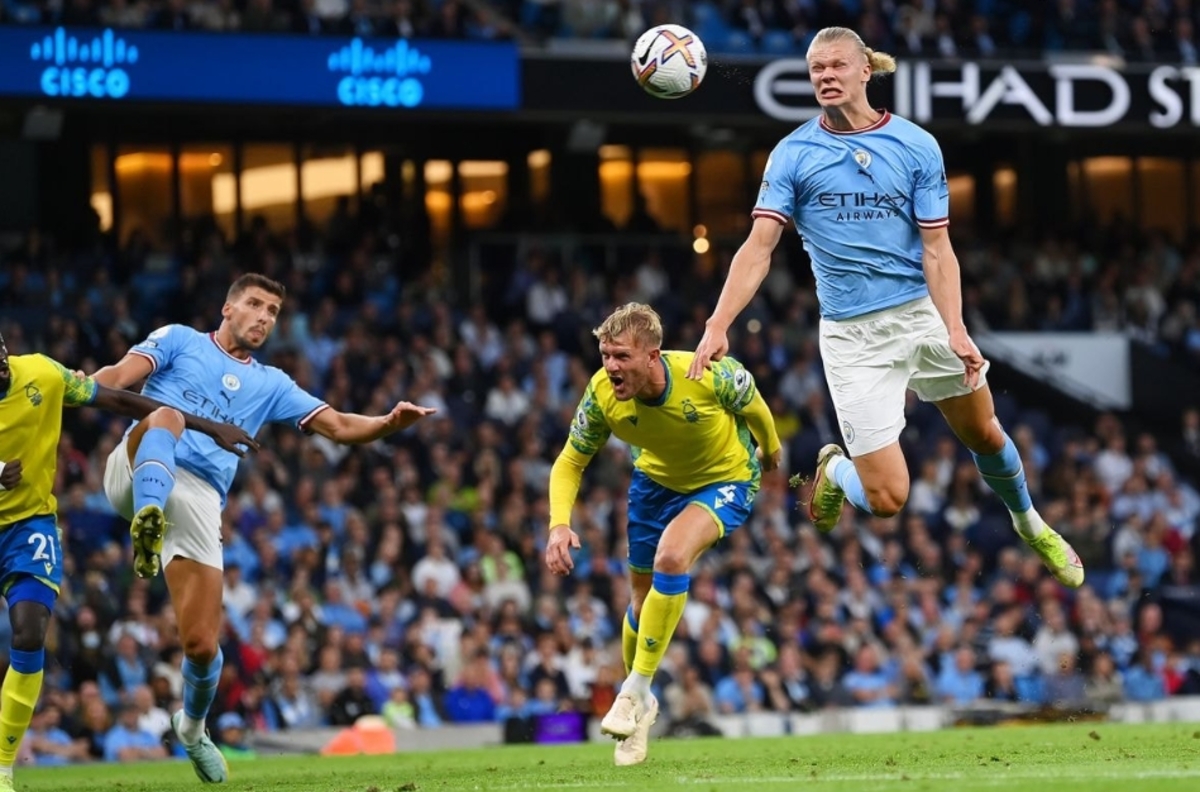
871,360
193,511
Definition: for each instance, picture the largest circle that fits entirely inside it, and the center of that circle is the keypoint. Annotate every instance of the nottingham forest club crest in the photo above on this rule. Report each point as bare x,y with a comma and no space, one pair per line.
690,413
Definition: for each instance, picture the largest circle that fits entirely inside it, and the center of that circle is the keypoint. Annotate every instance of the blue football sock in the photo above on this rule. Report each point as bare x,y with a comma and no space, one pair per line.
845,475
200,686
1004,473
154,469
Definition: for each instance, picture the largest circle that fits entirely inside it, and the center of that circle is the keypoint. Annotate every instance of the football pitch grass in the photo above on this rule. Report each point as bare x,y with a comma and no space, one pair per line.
1094,757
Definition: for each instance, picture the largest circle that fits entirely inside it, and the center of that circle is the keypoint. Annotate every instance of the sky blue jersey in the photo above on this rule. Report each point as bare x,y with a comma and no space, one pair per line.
192,373
859,200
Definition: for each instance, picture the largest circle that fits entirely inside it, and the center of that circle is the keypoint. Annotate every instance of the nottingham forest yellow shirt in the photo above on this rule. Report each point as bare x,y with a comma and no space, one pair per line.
696,434
30,425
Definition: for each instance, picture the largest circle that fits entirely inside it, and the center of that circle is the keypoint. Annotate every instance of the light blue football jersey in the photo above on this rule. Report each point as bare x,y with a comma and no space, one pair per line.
192,373
859,200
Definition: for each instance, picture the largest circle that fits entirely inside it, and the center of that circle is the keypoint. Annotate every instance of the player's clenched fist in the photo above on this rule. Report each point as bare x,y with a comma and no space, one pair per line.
558,549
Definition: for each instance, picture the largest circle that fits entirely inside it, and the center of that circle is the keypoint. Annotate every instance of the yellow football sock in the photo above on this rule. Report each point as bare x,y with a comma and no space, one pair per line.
660,616
18,697
629,636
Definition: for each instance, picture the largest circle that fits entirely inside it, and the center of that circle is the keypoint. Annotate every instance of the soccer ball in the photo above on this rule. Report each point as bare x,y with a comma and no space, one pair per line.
669,61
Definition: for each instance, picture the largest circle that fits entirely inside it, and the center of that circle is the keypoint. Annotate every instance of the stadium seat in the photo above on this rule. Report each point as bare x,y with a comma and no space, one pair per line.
778,42
709,25
738,42
1031,689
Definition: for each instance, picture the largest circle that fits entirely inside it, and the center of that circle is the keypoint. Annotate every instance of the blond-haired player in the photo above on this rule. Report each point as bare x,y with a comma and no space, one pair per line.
699,446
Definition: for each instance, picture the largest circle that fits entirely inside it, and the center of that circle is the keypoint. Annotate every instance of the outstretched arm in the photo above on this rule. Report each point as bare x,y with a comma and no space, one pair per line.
750,266
135,405
128,370
83,391
353,428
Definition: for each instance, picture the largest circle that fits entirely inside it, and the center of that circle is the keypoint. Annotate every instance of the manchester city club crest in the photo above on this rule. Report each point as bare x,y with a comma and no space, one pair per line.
863,158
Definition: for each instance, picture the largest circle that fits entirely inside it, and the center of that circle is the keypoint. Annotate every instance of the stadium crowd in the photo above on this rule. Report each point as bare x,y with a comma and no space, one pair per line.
405,578
1136,30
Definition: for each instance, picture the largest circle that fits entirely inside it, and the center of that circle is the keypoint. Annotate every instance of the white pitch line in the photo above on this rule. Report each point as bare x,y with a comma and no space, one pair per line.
999,777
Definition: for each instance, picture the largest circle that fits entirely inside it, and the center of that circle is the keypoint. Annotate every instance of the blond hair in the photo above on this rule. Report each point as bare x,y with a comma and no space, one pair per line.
638,319
880,62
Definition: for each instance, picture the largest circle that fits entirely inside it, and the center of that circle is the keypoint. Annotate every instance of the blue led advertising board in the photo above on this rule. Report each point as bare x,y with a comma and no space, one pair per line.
143,66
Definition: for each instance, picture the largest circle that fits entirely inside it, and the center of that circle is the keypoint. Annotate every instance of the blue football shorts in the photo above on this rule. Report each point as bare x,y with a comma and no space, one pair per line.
653,506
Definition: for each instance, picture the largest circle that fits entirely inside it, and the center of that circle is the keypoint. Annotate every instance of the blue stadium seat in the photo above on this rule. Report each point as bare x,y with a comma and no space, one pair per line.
709,25
1031,689
1020,27
738,42
704,13
778,42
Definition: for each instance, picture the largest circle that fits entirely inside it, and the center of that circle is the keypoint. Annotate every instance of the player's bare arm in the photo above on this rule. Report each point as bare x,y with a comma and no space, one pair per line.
945,289
352,428
129,370
750,266
132,369
134,405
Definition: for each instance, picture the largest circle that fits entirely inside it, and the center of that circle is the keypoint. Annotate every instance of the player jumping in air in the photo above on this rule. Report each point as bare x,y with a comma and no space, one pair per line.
173,483
33,391
868,194
696,471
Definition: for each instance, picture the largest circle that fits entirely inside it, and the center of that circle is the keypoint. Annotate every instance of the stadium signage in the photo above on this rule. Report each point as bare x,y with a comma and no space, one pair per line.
1076,95
128,66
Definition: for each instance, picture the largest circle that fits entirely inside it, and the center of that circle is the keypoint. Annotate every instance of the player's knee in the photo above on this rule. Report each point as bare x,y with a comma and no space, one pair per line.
887,501
199,647
29,623
671,561
166,418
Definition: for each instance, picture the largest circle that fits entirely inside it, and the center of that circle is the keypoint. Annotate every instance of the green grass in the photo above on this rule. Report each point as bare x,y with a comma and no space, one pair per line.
1088,758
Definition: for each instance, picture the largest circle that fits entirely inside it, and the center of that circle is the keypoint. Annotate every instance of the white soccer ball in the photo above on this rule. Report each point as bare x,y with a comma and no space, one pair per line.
669,61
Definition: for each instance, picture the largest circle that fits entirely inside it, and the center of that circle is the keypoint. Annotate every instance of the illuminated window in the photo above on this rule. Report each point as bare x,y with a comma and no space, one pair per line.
268,186
101,190
721,192
616,183
1108,187
438,198
962,199
539,176
663,178
200,166
327,175
1163,193
484,192
1004,188
371,168
144,182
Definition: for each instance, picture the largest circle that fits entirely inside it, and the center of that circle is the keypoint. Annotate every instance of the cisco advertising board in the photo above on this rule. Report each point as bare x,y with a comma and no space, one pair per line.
130,66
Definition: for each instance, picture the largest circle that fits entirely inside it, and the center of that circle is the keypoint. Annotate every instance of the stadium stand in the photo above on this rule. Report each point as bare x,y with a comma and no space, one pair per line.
405,578
1158,31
